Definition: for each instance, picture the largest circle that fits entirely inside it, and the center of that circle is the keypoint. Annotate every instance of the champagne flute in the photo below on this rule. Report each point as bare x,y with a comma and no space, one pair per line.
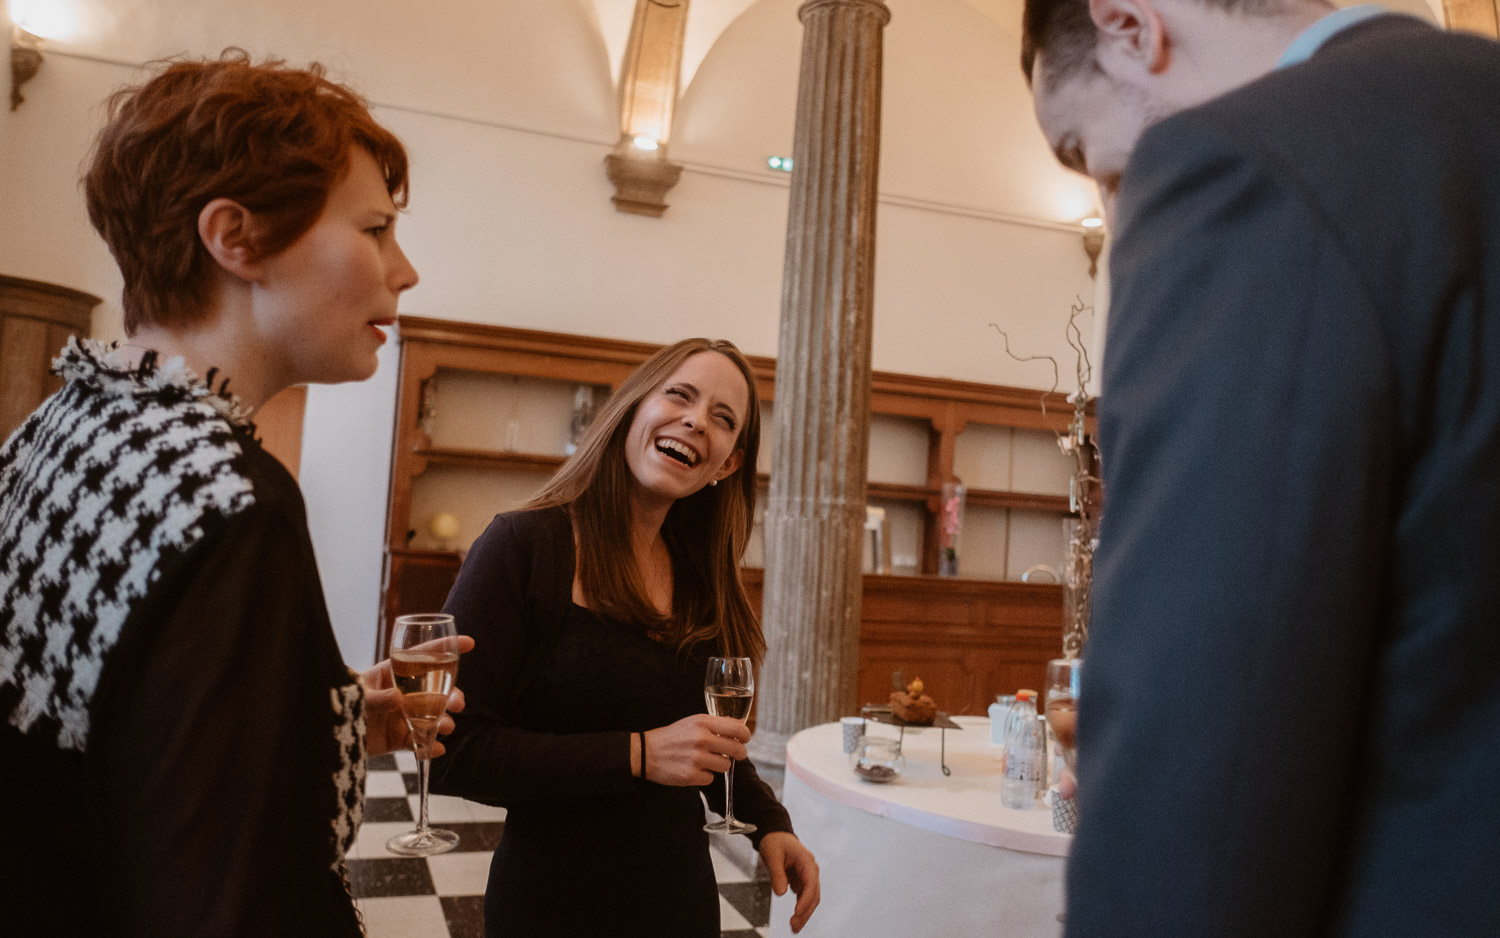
729,689
1062,705
424,661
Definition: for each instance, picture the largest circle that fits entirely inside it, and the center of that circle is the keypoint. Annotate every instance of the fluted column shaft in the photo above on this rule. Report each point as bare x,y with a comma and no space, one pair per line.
816,510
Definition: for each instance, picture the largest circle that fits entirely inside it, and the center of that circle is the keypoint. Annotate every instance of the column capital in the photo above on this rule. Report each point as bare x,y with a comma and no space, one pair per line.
860,7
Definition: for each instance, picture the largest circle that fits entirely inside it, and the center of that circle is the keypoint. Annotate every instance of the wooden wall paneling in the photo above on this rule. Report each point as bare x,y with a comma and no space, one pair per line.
36,320
419,582
967,639
23,345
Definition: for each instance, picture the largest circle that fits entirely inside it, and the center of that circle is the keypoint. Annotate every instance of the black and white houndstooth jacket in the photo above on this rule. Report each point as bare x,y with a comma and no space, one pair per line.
111,480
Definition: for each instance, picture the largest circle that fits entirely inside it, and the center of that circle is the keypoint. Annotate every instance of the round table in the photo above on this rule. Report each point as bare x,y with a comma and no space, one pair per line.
925,854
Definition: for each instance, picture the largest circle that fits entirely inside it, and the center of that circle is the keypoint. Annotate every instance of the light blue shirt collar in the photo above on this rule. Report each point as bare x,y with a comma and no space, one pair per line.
1312,38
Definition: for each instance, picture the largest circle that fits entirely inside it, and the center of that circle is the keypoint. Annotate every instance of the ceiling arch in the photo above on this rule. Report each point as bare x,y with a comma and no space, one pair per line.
957,126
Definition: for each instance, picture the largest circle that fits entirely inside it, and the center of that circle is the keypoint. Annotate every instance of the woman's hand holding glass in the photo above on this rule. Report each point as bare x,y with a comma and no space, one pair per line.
694,749
424,662
386,729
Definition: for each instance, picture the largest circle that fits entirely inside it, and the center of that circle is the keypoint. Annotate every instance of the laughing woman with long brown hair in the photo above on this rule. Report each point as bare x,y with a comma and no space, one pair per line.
596,607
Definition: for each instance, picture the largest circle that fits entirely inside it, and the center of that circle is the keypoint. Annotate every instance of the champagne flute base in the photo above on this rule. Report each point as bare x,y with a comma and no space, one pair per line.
422,843
730,827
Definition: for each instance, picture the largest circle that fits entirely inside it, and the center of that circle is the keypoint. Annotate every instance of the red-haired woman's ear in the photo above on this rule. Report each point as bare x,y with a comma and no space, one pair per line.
227,230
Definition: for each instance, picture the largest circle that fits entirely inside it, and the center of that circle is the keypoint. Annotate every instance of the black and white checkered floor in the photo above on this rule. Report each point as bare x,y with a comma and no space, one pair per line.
443,896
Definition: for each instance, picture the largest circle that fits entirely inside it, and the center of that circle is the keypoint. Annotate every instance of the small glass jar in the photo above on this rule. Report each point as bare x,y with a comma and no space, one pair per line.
878,759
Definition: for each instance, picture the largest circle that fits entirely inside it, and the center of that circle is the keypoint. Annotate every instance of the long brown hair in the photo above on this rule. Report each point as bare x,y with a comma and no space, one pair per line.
706,532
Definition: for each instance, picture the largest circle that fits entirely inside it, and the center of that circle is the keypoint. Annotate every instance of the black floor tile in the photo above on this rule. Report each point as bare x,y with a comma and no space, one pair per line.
398,876
476,835
387,809
410,780
752,900
385,763
738,934
465,915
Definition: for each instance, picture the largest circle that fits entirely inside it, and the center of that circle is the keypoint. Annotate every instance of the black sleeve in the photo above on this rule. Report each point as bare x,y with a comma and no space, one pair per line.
215,774
490,758
1246,424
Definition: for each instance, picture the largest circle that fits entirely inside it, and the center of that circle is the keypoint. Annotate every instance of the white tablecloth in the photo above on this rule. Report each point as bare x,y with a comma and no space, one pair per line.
926,855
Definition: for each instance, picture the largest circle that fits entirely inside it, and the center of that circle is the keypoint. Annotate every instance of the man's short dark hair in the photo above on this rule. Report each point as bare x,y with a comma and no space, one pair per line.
1063,29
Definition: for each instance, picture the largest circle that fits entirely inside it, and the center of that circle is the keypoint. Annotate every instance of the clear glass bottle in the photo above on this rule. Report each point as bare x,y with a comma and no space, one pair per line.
1025,754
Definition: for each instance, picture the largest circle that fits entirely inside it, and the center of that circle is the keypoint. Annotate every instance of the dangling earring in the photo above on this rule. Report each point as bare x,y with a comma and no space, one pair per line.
713,481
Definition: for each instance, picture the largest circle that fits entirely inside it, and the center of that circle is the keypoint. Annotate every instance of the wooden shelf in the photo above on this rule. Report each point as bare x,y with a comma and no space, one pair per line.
490,459
980,498
890,491
897,492
990,498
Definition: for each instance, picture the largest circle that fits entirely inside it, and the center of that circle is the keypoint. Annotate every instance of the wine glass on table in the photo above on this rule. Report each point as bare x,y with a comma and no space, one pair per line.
1062,705
729,689
424,662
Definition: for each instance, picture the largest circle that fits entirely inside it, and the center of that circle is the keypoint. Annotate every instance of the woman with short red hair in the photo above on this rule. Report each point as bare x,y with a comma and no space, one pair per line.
183,744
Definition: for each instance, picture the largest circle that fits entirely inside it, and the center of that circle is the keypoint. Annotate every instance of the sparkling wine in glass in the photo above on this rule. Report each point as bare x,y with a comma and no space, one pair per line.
729,689
424,661
1062,705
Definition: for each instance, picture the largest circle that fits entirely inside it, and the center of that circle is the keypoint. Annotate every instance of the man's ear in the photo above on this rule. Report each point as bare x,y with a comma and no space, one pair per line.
1132,35
227,230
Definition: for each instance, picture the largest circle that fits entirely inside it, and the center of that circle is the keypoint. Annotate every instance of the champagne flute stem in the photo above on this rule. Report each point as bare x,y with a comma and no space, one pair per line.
729,796
423,767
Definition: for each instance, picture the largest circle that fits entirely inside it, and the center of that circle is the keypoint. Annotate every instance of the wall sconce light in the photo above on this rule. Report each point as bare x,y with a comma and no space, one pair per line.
1093,242
25,62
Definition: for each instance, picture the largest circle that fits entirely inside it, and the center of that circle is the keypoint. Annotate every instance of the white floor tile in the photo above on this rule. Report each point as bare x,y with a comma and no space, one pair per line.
460,874
765,932
370,844
384,785
725,869
404,917
483,812
729,918
406,760
443,809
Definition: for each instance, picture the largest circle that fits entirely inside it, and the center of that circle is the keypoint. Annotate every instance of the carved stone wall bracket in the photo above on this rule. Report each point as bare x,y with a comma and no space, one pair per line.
25,62
641,185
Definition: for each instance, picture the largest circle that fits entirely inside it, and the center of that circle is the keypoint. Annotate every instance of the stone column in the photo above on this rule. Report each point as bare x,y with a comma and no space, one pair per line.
816,511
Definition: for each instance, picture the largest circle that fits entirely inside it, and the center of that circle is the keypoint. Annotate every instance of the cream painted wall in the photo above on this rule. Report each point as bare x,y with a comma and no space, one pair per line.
508,115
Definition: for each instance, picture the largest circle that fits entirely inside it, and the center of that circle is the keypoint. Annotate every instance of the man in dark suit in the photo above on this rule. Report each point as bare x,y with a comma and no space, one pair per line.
1291,716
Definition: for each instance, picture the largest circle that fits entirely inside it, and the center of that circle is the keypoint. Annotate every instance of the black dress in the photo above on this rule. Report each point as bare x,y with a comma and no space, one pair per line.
554,692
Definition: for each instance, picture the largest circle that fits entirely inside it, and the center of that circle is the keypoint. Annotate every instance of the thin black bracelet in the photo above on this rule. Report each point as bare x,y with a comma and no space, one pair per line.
642,735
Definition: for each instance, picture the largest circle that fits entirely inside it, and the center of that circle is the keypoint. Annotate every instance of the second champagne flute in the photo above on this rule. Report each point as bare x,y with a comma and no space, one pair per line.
729,689
424,661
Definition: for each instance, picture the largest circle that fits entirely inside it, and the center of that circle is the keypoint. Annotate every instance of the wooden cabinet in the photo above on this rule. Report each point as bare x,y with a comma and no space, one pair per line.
36,320
483,417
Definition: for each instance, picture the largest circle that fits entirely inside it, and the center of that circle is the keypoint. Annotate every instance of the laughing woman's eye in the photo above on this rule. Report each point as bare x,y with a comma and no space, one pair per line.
727,420
679,392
